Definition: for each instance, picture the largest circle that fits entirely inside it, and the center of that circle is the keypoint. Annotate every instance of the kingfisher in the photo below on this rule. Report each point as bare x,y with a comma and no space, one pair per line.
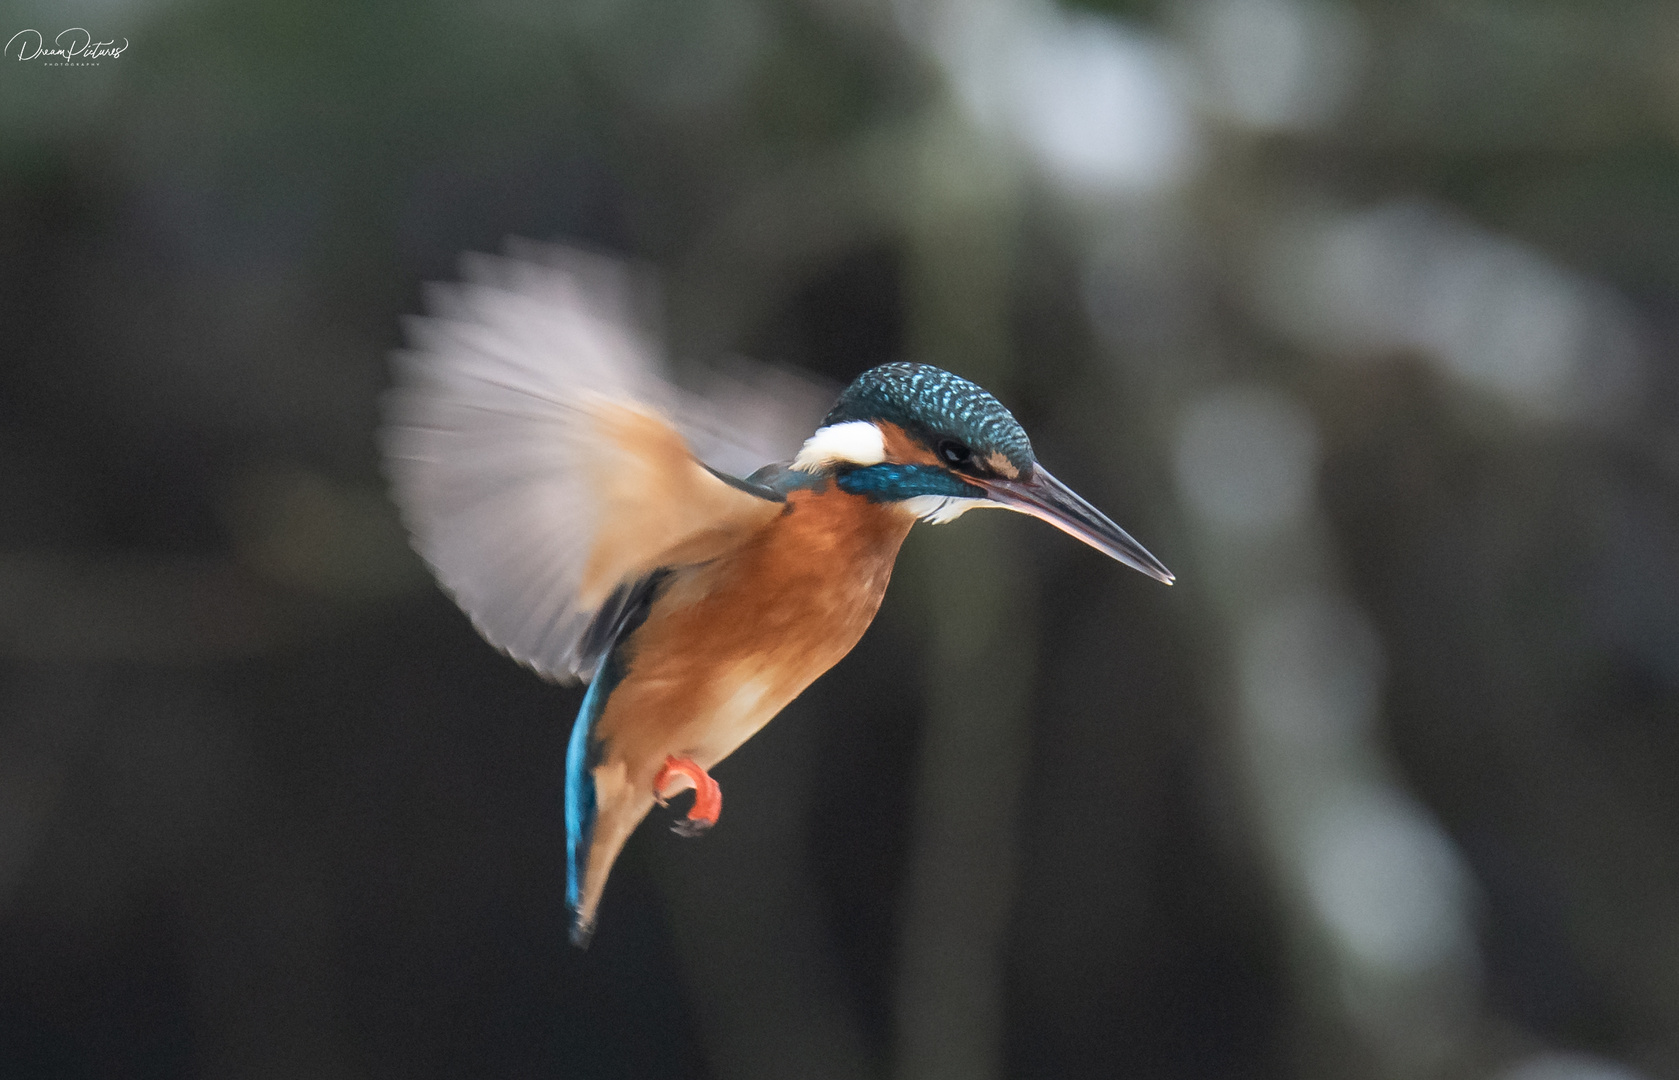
600,525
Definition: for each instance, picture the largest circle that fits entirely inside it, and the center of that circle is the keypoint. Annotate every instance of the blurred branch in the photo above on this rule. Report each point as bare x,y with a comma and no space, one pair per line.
960,878
747,922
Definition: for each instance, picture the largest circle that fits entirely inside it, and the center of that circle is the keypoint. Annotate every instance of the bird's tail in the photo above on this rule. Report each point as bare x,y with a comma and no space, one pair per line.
619,618
580,760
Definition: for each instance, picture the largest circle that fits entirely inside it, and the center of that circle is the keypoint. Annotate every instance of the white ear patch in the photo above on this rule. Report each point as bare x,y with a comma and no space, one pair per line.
855,442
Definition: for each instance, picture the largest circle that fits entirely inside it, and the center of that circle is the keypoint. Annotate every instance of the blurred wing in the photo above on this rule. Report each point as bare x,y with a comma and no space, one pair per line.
744,415
531,446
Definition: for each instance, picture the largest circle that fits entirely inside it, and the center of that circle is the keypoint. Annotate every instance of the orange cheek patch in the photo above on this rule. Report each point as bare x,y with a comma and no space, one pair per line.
902,449
1002,466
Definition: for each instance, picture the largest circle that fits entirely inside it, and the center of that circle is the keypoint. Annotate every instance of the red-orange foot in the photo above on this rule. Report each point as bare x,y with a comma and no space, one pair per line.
680,774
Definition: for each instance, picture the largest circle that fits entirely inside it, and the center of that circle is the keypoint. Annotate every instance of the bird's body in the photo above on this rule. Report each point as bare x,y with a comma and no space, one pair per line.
727,644
566,496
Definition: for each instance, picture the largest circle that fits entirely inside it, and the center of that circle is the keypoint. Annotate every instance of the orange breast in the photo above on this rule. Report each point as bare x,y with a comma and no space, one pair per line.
730,643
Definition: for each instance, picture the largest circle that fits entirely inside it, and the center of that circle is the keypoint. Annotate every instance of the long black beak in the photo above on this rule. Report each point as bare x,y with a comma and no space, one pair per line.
1045,497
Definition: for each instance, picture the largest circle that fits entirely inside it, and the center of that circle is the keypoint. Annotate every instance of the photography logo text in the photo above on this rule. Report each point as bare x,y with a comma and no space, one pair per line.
74,47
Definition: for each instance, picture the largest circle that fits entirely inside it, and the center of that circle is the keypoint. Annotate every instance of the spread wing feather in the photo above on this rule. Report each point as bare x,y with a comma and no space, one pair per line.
538,452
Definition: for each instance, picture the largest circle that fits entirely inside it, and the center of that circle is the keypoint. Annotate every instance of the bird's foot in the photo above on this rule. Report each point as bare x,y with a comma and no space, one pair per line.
680,774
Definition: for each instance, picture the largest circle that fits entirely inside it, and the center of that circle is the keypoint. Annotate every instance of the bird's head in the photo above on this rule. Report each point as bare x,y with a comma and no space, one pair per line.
937,445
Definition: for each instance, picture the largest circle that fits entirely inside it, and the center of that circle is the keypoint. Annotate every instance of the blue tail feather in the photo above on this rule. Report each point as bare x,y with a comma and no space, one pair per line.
583,752
580,789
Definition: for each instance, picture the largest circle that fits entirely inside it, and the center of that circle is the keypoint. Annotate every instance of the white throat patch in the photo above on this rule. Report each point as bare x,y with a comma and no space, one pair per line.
939,509
855,442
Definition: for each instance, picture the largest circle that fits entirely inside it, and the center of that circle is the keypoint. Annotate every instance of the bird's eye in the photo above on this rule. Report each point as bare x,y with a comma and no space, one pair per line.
955,453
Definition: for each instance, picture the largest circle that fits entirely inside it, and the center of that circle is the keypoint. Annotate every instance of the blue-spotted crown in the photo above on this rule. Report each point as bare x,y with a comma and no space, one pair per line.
932,404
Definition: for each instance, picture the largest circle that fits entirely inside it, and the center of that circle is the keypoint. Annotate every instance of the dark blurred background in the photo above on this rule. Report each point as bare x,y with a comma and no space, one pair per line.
1364,317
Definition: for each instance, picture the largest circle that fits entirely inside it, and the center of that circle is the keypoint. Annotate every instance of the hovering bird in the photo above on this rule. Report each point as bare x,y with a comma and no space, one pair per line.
598,524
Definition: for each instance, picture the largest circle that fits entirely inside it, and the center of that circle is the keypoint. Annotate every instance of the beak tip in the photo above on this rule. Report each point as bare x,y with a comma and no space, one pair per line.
1046,498
1159,573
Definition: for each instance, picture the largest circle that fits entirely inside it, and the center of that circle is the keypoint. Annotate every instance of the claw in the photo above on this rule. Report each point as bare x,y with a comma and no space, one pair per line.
680,774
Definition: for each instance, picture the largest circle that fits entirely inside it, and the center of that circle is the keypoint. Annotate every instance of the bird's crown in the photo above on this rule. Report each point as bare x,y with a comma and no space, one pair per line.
937,408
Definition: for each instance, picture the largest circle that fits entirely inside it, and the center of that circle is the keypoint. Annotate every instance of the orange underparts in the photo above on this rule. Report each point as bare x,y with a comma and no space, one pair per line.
680,774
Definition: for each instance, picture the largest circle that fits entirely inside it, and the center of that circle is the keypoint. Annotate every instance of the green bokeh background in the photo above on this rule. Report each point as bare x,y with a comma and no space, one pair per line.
269,808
